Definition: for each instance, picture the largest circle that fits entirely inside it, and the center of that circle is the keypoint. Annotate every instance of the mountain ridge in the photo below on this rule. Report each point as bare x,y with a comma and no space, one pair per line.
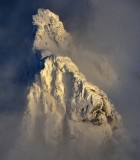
61,93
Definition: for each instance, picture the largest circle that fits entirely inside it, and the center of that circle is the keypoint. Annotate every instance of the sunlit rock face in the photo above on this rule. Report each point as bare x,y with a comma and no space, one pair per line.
51,37
61,99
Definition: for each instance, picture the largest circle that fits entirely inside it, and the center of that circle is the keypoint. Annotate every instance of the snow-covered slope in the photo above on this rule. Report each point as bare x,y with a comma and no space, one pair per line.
61,96
85,102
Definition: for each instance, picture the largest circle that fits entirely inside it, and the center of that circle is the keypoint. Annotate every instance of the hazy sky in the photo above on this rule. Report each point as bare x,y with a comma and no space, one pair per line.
102,30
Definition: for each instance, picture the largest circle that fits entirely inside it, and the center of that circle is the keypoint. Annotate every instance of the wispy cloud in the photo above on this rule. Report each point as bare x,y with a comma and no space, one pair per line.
107,34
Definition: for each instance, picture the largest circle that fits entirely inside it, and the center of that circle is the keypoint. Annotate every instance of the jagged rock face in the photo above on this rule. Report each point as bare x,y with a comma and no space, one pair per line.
81,100
61,96
51,37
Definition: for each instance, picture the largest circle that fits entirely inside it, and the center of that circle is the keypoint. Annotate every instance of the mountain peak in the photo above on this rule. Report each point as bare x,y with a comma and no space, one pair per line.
61,96
50,37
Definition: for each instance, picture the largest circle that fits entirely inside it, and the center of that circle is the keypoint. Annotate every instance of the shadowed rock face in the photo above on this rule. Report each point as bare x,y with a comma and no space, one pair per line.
61,94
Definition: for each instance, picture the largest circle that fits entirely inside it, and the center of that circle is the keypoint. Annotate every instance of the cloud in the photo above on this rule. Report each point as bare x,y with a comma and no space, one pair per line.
102,30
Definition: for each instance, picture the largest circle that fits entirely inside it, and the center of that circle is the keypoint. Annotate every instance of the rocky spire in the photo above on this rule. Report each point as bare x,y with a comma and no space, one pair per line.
51,37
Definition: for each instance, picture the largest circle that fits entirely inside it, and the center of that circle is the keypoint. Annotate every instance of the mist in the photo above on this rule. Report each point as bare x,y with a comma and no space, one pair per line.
107,35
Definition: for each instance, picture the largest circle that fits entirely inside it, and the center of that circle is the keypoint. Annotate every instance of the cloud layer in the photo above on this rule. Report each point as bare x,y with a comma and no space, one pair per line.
107,34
